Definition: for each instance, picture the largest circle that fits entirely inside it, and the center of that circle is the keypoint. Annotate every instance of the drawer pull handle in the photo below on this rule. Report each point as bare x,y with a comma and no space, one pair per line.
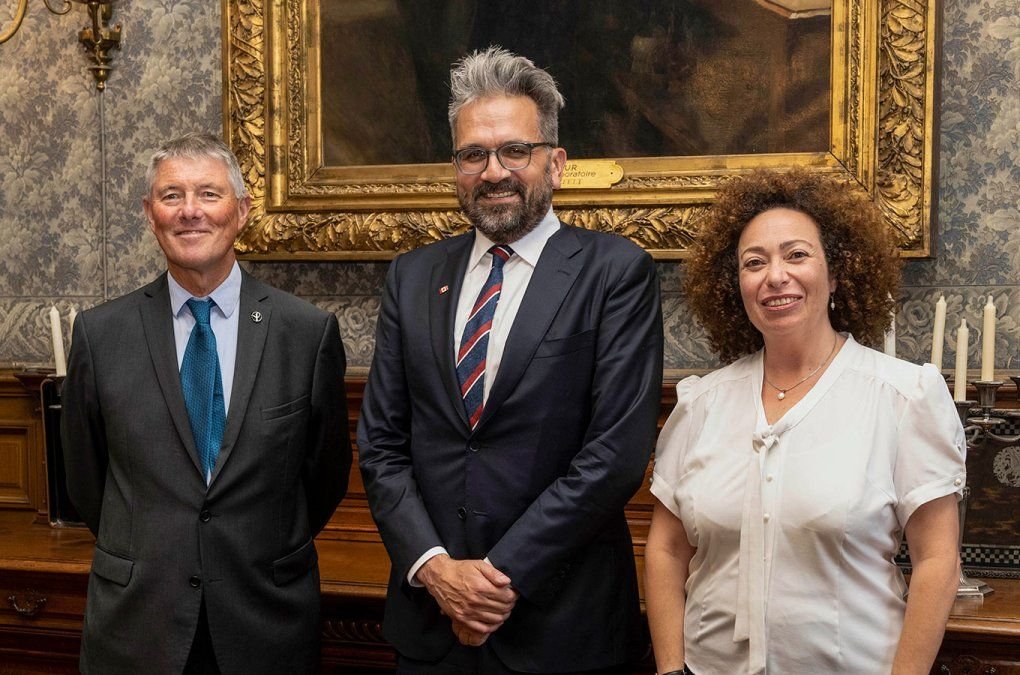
28,603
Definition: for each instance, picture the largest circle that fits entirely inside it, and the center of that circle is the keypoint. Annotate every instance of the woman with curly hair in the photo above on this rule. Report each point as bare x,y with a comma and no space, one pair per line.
787,479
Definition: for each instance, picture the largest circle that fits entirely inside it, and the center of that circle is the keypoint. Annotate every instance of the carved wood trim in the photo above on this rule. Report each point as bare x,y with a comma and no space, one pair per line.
883,137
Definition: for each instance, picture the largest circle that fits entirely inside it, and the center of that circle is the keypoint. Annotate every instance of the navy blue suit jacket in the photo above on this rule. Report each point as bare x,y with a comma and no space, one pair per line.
540,485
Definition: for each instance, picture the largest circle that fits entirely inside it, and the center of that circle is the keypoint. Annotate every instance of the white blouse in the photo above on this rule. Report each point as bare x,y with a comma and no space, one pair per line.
796,523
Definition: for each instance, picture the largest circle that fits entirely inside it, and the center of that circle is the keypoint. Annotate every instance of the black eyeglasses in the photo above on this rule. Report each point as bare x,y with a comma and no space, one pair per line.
511,156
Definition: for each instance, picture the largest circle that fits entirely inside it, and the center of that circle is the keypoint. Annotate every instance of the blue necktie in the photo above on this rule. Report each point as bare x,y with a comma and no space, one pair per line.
203,387
474,345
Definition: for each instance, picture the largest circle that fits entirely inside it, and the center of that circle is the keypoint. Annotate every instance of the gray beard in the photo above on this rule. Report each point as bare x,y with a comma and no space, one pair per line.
509,223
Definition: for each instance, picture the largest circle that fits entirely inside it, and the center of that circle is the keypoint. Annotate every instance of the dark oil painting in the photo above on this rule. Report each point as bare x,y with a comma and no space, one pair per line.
658,78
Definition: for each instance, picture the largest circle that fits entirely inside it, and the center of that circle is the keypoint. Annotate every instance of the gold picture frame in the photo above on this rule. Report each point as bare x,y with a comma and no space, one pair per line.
883,80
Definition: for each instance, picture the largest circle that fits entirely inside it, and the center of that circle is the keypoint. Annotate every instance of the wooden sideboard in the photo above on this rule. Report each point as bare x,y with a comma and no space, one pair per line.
44,569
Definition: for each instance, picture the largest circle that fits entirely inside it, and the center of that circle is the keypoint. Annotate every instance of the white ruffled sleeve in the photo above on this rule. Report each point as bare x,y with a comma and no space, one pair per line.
674,440
930,461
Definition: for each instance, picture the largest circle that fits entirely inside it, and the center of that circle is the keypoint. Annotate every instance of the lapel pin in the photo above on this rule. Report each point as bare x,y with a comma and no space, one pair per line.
256,317
443,289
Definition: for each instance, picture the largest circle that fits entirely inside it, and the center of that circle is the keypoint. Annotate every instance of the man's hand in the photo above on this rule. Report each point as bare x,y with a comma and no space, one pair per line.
475,595
468,637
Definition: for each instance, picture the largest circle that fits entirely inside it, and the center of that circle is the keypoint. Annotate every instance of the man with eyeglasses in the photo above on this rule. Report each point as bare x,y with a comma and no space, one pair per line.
511,408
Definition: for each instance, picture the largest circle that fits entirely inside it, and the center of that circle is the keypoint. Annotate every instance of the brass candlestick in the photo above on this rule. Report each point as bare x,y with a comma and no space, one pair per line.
100,39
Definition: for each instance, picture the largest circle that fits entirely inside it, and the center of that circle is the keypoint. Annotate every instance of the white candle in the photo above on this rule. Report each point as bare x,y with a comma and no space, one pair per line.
71,316
58,342
960,382
988,342
890,335
938,334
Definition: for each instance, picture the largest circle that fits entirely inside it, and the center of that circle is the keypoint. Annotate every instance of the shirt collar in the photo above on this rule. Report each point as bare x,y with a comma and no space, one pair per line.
528,248
226,296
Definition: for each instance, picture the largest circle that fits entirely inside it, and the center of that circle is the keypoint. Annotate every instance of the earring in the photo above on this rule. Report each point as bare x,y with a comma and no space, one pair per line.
832,303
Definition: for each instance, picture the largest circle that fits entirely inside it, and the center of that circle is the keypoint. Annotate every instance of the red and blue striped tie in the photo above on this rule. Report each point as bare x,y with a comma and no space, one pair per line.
475,343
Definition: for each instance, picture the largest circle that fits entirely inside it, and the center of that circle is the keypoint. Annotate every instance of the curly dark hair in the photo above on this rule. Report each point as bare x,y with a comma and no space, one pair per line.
858,249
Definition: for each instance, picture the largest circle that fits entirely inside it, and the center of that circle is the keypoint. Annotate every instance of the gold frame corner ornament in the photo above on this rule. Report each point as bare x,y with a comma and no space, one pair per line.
883,130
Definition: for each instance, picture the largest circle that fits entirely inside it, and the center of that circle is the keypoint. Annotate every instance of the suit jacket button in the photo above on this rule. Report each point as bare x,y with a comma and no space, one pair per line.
462,513
194,582
205,516
474,447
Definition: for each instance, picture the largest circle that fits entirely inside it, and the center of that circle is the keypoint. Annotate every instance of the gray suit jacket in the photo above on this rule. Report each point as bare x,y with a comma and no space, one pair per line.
164,541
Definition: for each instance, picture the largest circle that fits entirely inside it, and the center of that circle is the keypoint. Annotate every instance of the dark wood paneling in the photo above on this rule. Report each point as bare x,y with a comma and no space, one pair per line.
22,446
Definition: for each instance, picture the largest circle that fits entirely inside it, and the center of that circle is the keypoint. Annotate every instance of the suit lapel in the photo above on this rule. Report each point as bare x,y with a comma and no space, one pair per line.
251,341
557,269
448,272
157,322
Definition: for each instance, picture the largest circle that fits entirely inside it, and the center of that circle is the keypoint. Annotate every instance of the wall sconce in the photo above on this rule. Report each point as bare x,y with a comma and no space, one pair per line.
98,39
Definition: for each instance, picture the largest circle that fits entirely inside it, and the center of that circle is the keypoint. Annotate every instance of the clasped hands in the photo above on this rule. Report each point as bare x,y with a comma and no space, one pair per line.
475,595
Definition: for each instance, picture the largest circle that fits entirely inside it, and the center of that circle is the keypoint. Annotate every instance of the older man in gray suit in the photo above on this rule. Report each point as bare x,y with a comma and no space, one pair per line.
205,439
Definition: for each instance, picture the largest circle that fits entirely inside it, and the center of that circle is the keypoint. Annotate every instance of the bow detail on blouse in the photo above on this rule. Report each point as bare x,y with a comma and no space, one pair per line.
750,620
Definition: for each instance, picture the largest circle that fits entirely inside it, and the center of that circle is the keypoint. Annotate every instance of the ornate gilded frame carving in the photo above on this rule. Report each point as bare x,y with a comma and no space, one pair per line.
883,135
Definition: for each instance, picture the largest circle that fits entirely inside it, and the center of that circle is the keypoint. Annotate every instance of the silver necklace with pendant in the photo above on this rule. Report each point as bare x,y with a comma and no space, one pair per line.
782,392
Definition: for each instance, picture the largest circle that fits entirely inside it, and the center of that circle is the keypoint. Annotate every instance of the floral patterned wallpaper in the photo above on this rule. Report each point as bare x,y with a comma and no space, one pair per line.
60,244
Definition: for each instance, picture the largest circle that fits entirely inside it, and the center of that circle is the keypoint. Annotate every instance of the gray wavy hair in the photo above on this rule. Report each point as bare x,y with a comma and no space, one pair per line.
498,72
198,145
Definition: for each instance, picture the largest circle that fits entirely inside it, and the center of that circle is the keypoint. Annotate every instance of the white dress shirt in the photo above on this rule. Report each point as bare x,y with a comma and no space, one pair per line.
517,273
222,319
796,523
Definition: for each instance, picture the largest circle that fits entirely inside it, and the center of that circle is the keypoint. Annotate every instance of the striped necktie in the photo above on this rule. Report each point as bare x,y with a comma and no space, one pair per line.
203,387
475,343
